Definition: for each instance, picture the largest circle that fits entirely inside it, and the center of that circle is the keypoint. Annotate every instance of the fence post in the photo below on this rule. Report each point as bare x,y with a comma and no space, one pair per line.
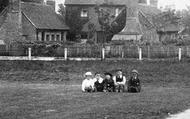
180,54
148,52
103,53
140,54
29,53
65,53
122,52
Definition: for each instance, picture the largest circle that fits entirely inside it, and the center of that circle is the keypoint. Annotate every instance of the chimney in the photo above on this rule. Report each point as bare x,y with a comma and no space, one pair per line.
51,3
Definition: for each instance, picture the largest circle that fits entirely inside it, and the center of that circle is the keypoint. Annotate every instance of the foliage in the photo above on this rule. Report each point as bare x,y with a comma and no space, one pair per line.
36,1
185,15
62,10
3,4
110,24
75,22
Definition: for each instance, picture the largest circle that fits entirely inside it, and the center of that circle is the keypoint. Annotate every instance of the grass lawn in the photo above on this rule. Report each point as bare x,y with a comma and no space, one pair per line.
51,90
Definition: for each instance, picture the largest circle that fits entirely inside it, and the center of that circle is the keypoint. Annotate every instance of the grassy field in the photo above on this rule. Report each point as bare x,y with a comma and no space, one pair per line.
51,90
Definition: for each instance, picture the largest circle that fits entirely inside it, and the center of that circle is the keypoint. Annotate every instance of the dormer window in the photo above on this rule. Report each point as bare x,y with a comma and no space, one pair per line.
84,13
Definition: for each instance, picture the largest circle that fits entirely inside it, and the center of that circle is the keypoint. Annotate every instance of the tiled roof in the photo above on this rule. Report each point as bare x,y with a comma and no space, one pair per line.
94,2
132,27
43,16
148,10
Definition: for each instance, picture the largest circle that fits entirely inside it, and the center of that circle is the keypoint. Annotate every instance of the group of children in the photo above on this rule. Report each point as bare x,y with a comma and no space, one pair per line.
110,83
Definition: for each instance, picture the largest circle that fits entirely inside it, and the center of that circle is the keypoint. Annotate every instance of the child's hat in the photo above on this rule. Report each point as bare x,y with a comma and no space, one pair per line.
107,73
135,71
119,69
88,74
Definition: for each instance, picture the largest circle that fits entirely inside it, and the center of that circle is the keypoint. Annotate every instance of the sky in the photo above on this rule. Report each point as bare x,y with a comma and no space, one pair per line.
179,4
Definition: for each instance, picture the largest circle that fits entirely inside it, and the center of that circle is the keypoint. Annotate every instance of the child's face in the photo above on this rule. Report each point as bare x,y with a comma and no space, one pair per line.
134,75
108,77
119,73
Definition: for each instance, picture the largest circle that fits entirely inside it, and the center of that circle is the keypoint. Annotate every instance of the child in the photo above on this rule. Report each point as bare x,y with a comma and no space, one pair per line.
134,84
88,83
108,83
99,86
119,81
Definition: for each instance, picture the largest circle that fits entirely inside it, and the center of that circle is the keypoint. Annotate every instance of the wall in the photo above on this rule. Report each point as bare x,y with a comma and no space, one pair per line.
11,29
29,31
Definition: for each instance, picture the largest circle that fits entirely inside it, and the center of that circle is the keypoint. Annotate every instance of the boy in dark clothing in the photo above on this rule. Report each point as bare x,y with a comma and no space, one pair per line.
109,83
99,84
134,84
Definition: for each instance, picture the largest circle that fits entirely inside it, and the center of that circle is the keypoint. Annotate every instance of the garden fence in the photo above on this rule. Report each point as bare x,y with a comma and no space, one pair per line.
106,52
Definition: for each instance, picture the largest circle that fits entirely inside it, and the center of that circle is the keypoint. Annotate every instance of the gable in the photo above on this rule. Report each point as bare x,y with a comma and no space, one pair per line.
43,16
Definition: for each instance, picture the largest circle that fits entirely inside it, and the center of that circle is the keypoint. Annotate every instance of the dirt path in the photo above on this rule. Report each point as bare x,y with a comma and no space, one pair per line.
183,115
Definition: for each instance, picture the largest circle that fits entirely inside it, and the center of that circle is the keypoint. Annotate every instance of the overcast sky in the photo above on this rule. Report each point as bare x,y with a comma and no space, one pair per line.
180,4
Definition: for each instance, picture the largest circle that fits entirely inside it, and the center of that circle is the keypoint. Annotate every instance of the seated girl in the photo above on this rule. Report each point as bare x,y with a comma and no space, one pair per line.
99,84
88,83
108,83
134,84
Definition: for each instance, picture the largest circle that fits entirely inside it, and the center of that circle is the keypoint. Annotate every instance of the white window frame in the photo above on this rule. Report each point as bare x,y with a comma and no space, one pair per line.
46,37
58,34
84,13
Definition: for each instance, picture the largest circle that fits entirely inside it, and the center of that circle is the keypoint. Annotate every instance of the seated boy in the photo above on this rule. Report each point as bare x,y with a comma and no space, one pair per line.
134,84
119,81
108,83
88,83
98,85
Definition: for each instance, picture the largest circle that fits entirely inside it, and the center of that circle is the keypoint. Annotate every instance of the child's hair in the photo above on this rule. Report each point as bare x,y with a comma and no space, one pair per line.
135,71
107,73
97,73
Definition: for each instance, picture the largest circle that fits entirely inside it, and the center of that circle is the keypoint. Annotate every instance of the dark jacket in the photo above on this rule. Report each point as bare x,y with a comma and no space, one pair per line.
134,82
109,85
99,86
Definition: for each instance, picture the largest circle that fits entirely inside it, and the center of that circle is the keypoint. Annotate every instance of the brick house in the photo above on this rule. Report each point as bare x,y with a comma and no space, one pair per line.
87,12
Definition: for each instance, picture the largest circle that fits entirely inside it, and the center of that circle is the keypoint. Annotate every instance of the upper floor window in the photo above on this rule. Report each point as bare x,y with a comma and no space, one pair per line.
84,13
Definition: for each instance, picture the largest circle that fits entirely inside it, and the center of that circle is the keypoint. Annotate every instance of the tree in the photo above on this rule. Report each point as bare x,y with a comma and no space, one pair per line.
185,14
62,10
110,24
3,4
75,22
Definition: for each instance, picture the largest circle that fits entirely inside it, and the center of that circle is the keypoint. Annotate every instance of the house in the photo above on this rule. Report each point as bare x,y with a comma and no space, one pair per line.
32,22
139,26
41,23
167,26
87,12
131,32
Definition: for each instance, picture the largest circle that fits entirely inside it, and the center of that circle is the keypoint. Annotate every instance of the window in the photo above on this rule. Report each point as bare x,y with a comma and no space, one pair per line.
84,13
47,37
52,37
117,12
58,37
